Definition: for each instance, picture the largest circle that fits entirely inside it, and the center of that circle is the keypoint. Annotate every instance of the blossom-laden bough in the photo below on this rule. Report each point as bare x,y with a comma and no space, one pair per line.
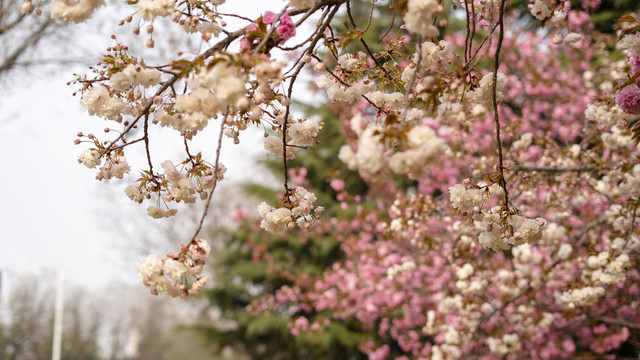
518,236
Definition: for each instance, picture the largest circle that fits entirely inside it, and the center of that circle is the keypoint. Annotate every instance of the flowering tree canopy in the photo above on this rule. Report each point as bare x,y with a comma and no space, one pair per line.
499,143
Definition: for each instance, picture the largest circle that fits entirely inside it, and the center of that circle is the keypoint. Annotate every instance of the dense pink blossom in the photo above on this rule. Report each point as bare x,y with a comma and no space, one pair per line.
628,99
286,29
634,60
269,17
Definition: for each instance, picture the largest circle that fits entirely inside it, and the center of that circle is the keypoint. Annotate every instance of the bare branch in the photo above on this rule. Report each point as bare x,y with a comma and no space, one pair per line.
617,321
495,104
308,51
30,41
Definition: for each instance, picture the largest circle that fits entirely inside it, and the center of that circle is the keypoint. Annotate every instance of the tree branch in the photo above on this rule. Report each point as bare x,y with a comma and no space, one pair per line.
292,80
553,169
618,321
495,104
215,179
30,41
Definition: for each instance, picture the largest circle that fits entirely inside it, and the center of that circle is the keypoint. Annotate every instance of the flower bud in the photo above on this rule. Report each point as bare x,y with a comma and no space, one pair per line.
27,7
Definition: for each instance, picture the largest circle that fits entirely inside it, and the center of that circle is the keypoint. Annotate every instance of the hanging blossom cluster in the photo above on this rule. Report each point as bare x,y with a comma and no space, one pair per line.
295,209
500,228
187,95
239,90
176,274
419,17
544,10
371,158
302,135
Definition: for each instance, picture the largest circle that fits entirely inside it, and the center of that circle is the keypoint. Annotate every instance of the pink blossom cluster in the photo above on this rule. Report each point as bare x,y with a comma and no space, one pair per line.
433,281
258,31
628,97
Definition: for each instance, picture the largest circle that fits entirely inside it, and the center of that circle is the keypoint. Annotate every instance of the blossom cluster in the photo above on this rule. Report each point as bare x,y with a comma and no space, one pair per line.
176,274
302,135
69,10
419,17
235,91
372,159
296,209
257,33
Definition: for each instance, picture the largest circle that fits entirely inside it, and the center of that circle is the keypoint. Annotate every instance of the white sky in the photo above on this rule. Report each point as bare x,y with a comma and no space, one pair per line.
55,213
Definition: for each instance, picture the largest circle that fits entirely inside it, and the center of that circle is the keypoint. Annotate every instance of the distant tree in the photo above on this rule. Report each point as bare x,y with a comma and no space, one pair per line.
20,34
27,331
124,324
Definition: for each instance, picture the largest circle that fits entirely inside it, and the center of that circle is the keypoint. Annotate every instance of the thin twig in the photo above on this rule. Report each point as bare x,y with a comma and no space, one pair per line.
215,180
146,144
292,80
353,22
364,43
417,69
618,321
375,60
378,108
467,51
633,225
373,5
127,144
553,169
467,65
473,25
291,48
234,15
313,36
186,148
393,20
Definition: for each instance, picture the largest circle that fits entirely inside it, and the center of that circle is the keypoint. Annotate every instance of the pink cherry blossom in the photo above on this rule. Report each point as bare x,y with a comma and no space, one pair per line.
286,29
628,99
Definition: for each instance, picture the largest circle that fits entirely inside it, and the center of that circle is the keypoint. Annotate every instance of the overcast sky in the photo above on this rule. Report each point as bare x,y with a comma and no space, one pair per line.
55,213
